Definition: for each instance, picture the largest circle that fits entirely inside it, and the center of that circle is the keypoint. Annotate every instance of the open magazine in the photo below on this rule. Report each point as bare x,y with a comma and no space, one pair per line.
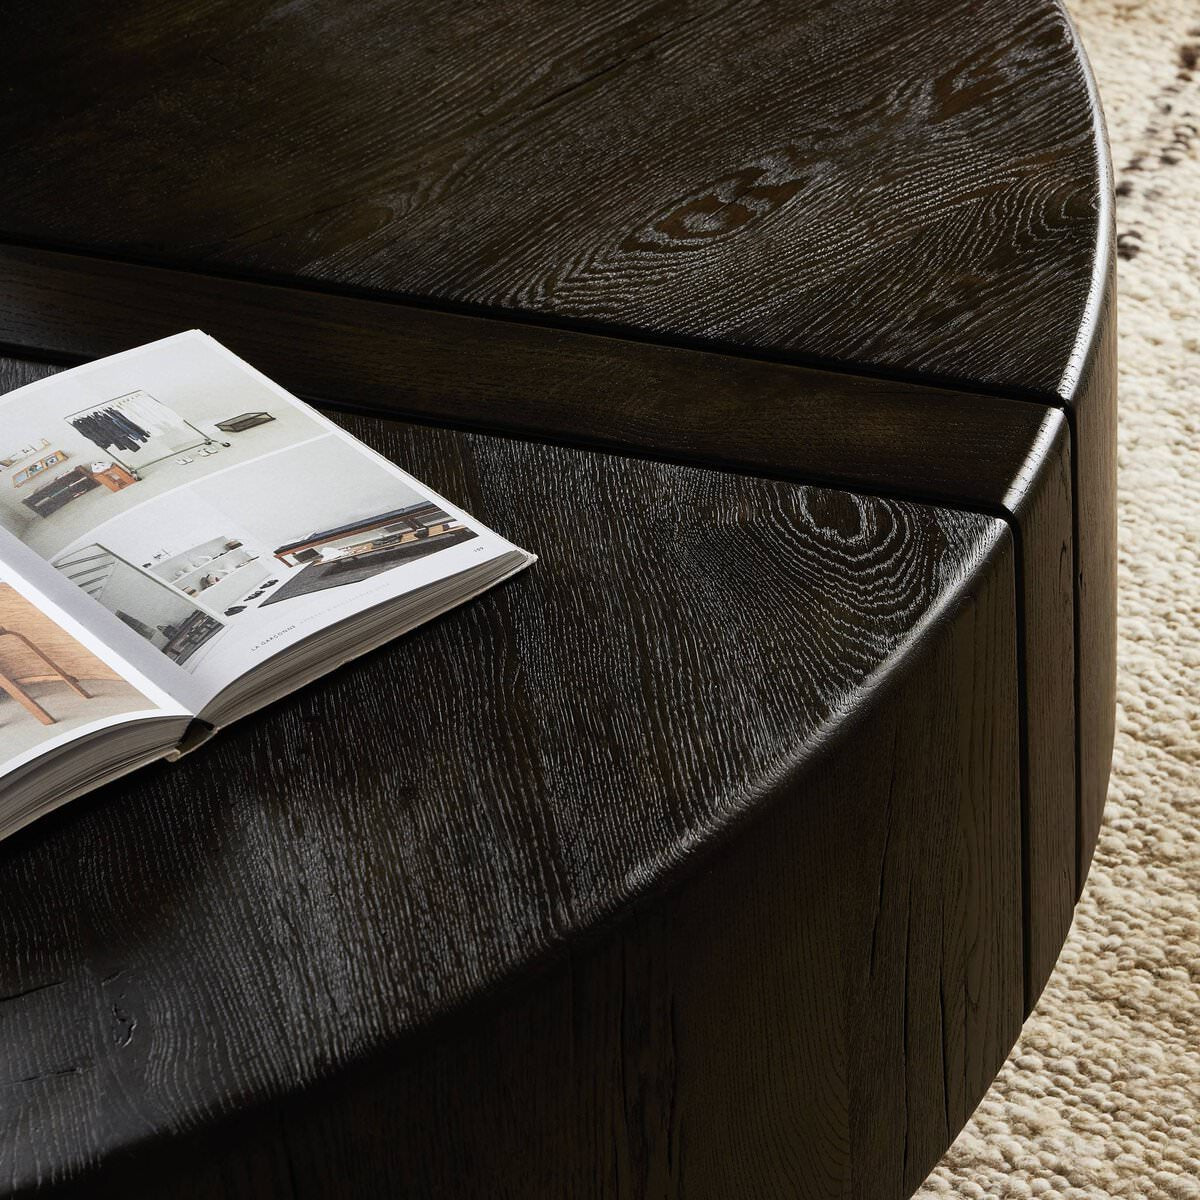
182,542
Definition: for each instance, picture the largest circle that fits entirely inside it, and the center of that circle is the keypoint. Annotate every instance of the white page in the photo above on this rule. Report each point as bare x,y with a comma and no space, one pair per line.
90,687
218,519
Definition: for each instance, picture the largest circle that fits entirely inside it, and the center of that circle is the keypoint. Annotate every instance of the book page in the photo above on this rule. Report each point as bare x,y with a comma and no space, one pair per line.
58,683
208,518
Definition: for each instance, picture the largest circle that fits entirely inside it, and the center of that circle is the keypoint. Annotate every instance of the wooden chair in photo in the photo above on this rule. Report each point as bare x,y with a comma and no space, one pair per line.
13,679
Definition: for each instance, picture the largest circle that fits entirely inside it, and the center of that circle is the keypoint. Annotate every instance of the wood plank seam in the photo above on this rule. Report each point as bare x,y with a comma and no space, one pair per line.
1096,338
532,320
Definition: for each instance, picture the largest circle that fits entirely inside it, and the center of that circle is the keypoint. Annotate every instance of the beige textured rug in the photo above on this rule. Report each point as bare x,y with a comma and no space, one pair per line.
1101,1096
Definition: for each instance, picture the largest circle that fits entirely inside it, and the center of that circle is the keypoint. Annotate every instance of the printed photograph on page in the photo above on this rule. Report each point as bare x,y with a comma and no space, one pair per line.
53,686
201,507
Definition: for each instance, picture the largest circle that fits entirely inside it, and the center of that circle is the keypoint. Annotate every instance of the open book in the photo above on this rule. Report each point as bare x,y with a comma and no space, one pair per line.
182,542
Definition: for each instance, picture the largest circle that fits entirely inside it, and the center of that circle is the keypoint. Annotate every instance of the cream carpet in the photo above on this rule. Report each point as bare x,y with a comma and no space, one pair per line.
1101,1096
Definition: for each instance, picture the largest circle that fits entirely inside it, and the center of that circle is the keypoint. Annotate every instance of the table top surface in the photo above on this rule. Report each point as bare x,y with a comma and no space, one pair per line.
909,186
378,850
906,191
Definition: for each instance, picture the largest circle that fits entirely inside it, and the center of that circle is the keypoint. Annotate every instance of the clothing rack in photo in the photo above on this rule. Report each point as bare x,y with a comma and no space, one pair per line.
117,420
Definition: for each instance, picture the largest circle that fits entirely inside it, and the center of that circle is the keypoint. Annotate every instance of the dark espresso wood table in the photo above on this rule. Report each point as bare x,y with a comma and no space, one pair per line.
723,853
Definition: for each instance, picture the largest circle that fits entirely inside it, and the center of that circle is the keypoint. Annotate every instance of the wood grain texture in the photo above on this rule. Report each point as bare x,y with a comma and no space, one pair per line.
909,185
372,854
936,992
670,403
990,124
1006,457
769,826
1037,283
814,1013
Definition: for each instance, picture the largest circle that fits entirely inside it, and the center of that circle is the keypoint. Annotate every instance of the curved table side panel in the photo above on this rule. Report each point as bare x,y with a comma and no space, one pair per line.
1094,417
1088,390
814,1015
1042,523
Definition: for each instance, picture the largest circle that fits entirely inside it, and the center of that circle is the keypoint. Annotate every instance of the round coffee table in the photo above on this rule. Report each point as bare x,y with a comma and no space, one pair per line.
724,852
